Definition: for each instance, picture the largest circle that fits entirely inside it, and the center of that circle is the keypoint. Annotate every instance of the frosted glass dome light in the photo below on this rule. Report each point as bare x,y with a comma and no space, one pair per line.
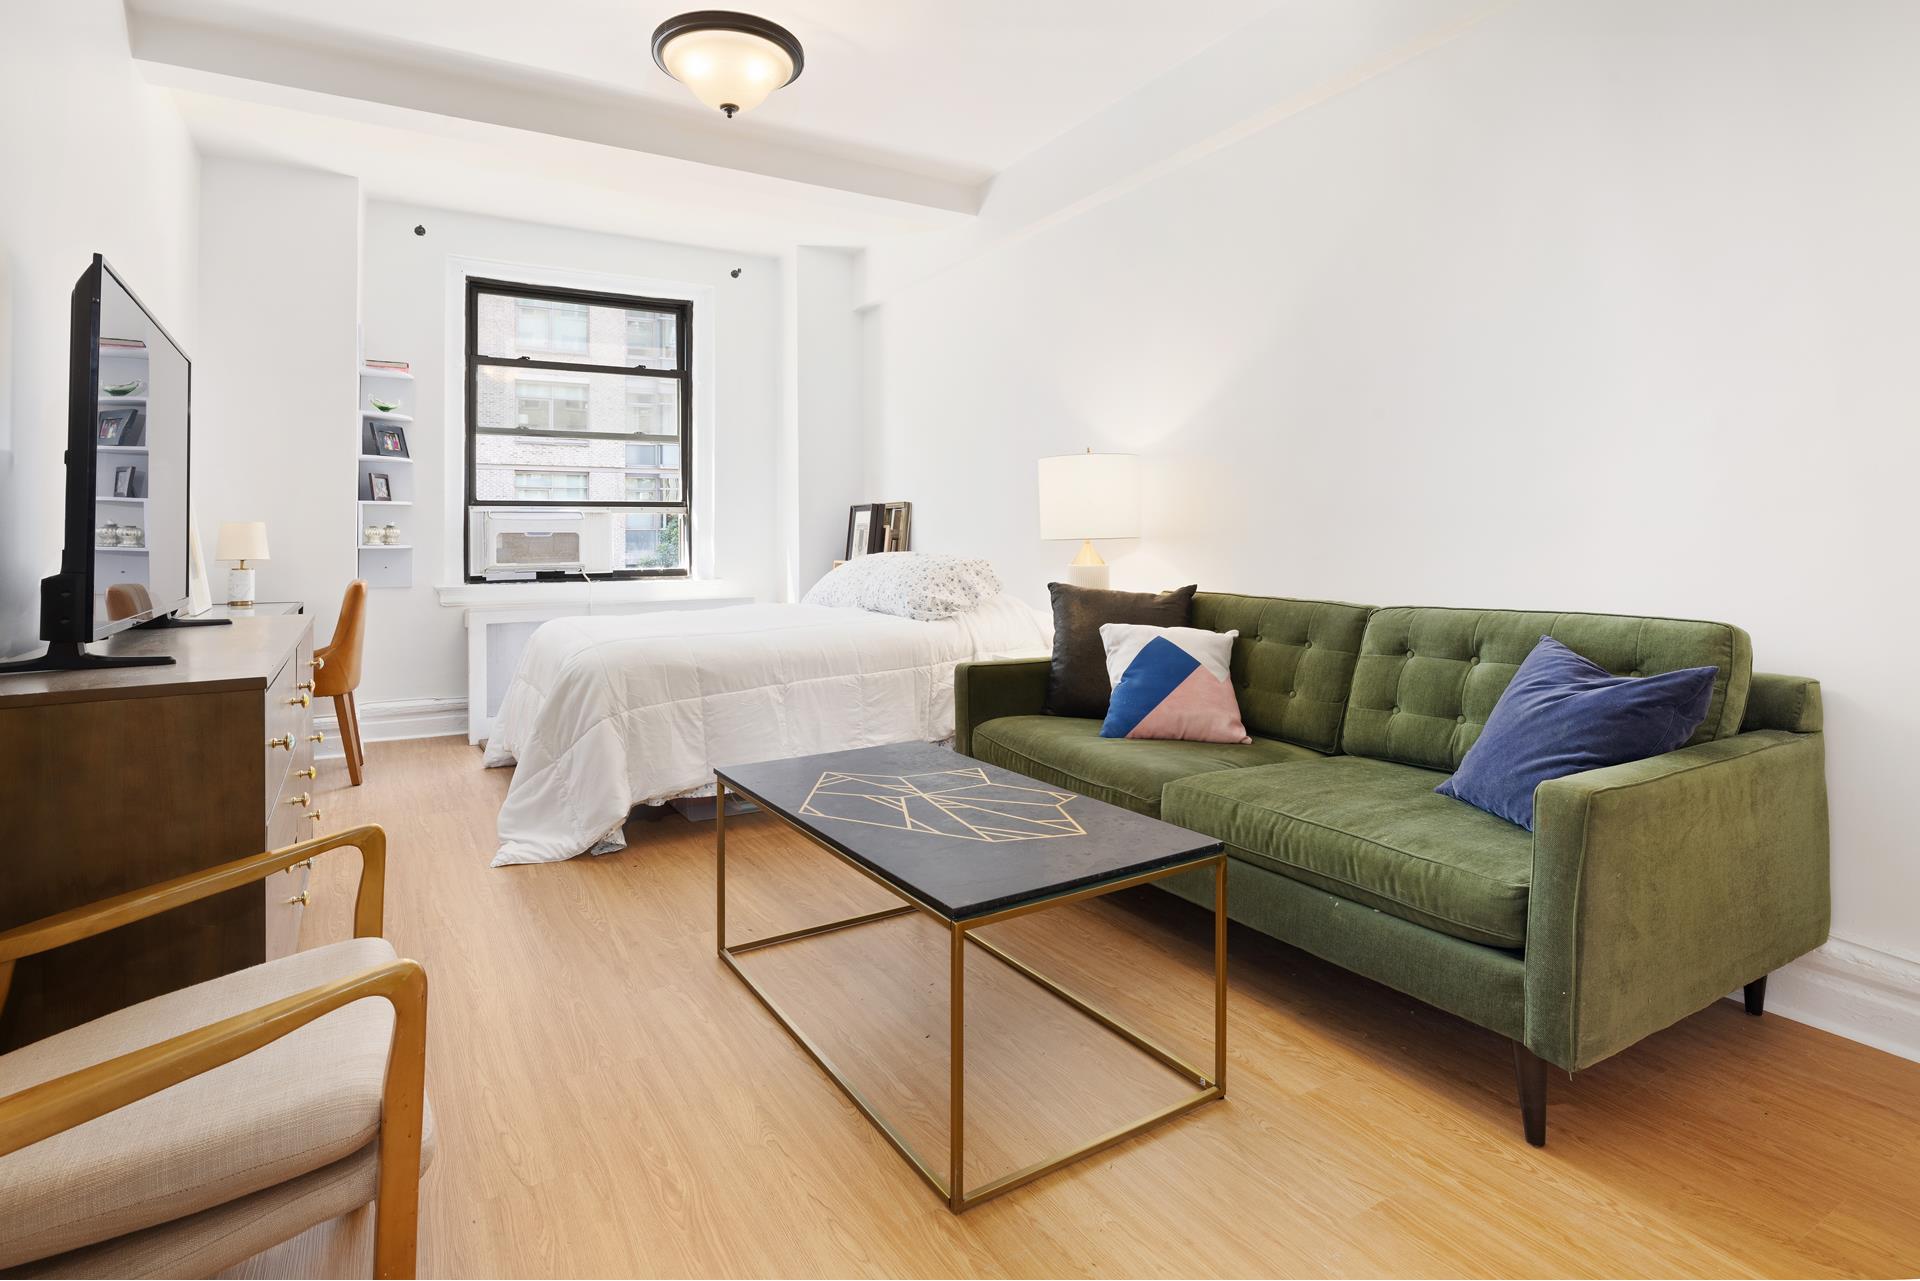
731,61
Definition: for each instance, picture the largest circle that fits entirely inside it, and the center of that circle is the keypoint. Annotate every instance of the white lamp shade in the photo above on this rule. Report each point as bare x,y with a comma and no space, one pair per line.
727,68
1090,496
242,540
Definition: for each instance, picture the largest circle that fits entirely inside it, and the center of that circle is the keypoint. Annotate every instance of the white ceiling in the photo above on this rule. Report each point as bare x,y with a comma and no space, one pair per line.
954,88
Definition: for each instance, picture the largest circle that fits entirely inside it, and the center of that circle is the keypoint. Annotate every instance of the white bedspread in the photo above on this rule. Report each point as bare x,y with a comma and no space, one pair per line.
610,712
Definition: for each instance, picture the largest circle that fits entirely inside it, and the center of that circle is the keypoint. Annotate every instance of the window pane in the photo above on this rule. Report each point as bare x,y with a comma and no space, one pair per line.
654,540
652,487
592,333
608,466
602,404
550,486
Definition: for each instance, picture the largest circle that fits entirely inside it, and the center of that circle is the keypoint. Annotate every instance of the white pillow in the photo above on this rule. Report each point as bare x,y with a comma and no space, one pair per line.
923,585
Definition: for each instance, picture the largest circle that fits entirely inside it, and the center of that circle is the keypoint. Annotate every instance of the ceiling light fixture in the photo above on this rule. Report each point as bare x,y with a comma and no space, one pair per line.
730,60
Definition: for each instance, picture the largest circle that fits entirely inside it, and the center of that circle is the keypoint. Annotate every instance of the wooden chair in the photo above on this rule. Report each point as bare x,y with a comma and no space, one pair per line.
338,673
124,600
226,1117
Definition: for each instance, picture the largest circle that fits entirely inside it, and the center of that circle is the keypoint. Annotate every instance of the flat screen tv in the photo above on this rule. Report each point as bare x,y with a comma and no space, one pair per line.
129,449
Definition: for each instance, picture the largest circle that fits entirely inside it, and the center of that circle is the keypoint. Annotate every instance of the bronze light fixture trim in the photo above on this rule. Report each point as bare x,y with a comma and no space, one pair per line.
730,61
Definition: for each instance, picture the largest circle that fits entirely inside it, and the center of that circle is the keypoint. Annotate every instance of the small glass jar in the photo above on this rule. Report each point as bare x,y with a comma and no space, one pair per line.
132,536
390,535
373,536
108,535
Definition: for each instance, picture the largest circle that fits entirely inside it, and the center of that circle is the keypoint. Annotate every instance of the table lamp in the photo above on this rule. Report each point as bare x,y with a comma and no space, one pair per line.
241,541
1088,496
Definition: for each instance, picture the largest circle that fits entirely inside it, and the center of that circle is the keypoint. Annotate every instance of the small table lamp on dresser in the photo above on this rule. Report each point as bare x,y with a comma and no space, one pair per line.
1088,496
240,542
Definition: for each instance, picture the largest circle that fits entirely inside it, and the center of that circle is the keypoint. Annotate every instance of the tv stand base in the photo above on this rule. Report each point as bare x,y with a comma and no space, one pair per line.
72,656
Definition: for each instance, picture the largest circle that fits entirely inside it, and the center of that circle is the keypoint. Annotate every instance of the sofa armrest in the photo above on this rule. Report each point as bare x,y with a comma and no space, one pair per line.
1661,885
1003,687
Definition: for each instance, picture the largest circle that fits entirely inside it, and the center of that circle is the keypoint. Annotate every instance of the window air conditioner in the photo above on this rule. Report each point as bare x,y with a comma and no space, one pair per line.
544,542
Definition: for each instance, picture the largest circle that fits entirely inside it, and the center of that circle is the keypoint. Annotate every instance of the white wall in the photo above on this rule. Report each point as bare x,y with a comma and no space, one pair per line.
825,471
1588,306
416,644
275,385
91,161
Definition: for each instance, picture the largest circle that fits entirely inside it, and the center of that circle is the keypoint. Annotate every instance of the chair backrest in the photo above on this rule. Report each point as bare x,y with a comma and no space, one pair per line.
341,675
124,600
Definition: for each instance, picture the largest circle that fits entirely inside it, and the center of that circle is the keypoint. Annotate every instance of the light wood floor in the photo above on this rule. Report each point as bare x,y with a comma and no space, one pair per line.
611,1101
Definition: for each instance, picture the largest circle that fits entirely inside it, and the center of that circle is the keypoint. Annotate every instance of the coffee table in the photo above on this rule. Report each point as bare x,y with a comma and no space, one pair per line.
971,845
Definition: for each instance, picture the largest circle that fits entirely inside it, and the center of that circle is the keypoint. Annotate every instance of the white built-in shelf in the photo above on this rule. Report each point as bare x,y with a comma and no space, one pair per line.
123,449
122,400
382,564
121,551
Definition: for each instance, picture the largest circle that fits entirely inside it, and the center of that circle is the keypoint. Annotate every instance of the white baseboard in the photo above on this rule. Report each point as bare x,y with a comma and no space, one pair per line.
398,719
1855,991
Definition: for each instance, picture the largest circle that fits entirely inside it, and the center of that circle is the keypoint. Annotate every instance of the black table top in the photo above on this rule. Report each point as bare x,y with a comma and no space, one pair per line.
965,838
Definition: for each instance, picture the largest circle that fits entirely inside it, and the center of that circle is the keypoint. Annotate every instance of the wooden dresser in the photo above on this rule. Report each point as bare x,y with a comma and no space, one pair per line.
116,779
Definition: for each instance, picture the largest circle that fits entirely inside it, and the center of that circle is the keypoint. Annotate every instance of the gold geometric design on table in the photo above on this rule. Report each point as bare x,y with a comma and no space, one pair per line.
962,803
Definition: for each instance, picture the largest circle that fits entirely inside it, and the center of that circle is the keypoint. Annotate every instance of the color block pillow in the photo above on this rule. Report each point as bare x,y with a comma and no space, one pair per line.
1562,714
1171,682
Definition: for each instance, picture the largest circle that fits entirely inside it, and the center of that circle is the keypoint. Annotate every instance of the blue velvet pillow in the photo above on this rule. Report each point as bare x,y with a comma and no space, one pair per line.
1562,714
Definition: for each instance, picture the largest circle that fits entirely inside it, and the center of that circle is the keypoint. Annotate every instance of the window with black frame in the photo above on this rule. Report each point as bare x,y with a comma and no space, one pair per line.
579,434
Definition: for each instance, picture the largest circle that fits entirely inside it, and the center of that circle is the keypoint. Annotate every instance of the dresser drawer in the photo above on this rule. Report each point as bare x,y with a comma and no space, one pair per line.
285,891
289,724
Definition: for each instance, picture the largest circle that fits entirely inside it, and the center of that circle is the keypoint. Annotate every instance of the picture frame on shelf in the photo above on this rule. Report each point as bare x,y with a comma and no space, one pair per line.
117,424
380,486
389,440
124,479
896,527
864,529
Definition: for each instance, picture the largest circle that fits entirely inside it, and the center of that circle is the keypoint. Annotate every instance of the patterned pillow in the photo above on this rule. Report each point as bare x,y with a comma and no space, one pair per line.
925,585
1171,682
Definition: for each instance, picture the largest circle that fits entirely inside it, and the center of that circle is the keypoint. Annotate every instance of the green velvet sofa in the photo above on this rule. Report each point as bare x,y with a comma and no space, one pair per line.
1646,892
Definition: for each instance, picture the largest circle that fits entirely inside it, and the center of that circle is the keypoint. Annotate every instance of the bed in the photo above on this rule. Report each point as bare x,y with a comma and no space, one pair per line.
605,713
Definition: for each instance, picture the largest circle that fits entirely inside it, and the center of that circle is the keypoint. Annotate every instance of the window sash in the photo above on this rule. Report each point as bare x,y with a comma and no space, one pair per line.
681,372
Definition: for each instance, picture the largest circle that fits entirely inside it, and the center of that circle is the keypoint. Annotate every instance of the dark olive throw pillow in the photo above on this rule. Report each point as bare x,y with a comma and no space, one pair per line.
1079,685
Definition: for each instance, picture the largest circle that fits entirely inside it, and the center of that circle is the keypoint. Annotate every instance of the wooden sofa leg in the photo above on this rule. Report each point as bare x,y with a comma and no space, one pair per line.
1530,1070
1757,996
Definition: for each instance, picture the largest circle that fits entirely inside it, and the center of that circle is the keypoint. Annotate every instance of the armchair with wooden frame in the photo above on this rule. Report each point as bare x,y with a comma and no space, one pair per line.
189,1132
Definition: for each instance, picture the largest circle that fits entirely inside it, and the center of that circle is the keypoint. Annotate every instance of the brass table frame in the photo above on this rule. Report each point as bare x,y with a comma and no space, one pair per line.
952,1189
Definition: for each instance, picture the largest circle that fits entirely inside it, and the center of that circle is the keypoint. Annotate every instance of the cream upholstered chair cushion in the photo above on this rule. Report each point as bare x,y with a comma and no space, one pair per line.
213,1240
302,1104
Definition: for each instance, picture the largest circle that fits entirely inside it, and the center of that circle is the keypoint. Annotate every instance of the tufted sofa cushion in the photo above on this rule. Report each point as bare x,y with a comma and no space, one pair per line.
1426,679
1293,663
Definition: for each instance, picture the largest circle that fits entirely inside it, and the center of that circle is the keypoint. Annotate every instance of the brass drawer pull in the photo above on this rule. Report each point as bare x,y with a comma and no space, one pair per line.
313,817
316,663
303,799
285,740
304,700
305,685
310,772
298,900
305,862
318,736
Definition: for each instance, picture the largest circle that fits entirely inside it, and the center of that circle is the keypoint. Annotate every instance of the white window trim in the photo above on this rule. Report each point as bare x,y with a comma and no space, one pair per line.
453,588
